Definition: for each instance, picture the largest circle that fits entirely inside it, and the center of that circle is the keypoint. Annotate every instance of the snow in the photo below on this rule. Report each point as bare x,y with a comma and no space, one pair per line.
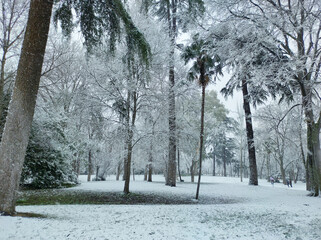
256,212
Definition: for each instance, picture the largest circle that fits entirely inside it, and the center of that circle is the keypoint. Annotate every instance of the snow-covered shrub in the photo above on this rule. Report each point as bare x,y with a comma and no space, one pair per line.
45,166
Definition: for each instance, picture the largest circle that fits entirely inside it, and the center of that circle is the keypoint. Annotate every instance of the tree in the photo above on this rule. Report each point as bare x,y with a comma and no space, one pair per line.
216,123
173,12
294,28
12,18
202,69
21,109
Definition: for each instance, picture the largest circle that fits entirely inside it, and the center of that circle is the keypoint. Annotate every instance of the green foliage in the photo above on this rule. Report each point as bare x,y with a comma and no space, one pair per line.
102,20
44,166
204,65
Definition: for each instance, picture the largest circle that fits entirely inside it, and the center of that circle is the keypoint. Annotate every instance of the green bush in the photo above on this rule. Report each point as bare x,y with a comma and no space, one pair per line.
44,166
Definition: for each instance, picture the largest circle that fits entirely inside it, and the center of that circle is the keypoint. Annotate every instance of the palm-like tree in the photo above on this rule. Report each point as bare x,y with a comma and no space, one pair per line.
202,69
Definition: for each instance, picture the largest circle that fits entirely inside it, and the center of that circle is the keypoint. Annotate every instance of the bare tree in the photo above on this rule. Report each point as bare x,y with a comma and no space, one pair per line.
12,20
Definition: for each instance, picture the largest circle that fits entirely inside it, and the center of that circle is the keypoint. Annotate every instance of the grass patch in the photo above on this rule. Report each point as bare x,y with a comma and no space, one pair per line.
25,214
60,196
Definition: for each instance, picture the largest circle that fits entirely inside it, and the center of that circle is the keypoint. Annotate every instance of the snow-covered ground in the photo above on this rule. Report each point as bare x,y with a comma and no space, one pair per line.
261,212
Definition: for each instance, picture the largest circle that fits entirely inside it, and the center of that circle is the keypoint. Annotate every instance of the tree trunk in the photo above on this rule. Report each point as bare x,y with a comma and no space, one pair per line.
282,170
90,166
150,172
21,109
97,173
150,160
249,134
171,172
192,169
201,142
178,162
224,157
146,172
241,162
130,139
3,62
118,171
214,160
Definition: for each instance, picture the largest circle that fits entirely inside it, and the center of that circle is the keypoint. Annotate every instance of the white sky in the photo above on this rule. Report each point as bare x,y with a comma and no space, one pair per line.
232,103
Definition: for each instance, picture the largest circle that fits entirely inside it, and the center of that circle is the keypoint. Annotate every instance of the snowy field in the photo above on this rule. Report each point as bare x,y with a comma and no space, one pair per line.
262,212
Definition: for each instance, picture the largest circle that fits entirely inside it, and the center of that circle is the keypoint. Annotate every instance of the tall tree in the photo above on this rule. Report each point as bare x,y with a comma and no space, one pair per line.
294,28
173,12
12,20
21,109
201,70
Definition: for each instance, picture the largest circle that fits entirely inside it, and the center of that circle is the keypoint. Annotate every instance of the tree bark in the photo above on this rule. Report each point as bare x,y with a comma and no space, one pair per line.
214,161
90,166
224,157
130,140
241,163
118,171
249,134
178,162
150,160
201,142
21,109
171,172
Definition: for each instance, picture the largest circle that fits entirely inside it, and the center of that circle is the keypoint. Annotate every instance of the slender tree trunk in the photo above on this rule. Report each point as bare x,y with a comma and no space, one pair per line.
90,166
214,161
178,162
118,171
150,160
201,142
21,109
3,62
224,157
282,170
250,134
241,161
268,166
192,171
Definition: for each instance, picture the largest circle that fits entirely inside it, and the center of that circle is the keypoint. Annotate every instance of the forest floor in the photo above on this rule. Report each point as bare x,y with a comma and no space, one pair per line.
227,209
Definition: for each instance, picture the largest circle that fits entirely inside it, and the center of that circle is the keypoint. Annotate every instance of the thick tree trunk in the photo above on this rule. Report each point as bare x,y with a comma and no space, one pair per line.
250,135
150,171
146,172
21,109
171,172
313,158
97,173
201,142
